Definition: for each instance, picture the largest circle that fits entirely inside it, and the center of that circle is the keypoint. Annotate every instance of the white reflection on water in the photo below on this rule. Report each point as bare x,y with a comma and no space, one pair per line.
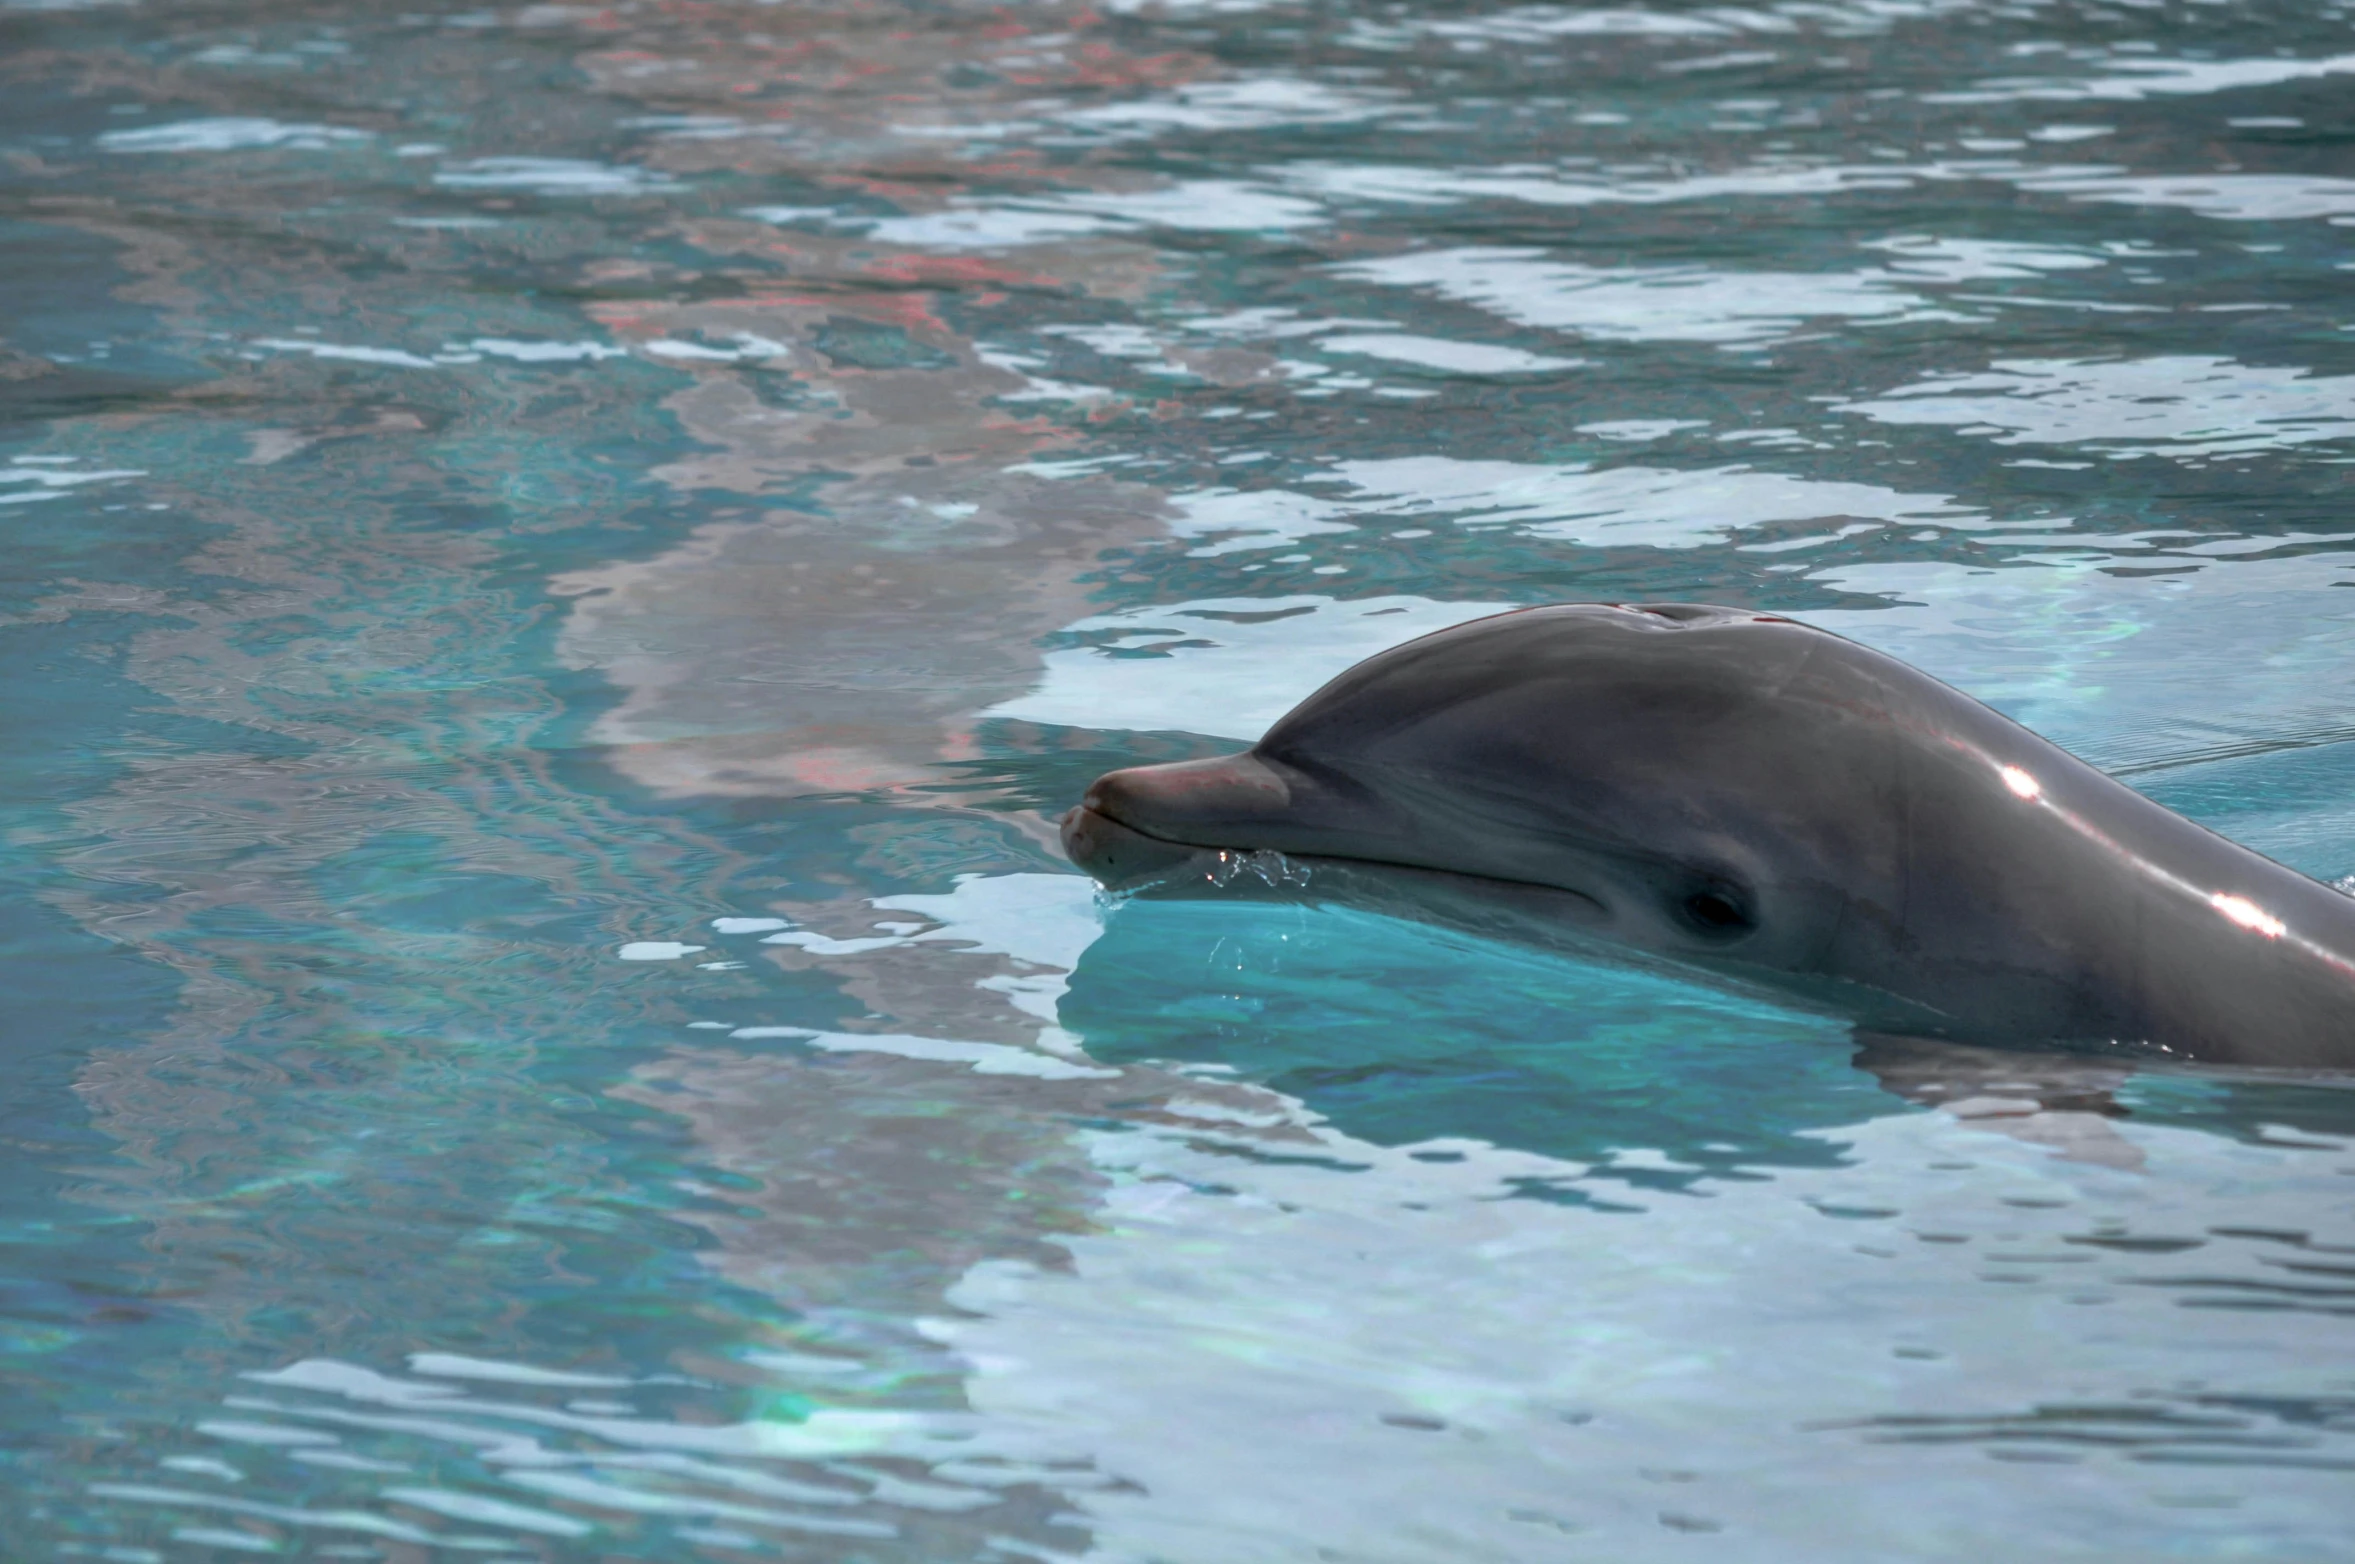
1546,23
1942,258
1203,206
2240,198
1459,358
1375,1351
971,226
1271,323
1545,185
2178,405
230,134
544,352
1277,1338
1042,922
1649,304
610,1457
1252,103
829,1432
469,352
2223,195
353,353
2130,78
981,1058
51,476
556,176
1647,507
1046,920
1222,667
1228,667
1241,519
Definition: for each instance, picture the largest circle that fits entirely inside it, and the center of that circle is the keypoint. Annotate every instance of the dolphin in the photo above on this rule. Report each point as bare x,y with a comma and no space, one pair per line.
1777,805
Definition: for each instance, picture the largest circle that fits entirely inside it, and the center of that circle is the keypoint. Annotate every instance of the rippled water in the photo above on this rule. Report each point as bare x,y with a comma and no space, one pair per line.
565,558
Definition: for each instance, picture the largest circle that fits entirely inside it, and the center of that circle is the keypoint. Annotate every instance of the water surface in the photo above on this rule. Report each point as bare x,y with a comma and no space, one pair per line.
565,559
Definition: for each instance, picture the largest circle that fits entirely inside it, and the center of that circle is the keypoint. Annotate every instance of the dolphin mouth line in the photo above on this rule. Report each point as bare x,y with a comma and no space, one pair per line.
1592,907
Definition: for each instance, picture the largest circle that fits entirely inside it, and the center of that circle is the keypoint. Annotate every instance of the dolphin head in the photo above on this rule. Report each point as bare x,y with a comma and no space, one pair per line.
1741,793
1690,780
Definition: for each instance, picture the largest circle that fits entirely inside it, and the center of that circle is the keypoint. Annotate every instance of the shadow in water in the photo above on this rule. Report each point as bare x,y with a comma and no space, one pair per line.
1401,1034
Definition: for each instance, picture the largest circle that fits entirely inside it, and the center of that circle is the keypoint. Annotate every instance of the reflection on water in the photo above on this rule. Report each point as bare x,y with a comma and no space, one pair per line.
2180,405
565,559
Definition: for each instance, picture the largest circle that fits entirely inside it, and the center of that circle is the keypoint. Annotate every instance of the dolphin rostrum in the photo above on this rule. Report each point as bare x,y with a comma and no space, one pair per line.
1747,794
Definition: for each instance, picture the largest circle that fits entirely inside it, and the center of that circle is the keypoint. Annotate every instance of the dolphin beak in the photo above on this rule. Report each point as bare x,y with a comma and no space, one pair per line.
1115,856
1151,823
1147,820
1203,803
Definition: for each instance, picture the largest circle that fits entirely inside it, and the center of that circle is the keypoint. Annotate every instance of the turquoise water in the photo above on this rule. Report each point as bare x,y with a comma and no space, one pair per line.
563,561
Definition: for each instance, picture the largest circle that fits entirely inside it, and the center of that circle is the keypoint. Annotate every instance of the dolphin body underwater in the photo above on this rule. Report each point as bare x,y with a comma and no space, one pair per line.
1769,802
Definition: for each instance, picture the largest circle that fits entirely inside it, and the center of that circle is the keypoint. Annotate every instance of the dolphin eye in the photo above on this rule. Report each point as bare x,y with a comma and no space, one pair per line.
1717,910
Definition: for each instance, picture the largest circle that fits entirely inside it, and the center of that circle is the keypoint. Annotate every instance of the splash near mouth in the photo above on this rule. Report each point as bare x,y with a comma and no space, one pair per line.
1261,865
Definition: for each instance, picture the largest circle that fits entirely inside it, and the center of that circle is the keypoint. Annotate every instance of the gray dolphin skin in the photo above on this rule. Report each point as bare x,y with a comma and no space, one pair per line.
1773,803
